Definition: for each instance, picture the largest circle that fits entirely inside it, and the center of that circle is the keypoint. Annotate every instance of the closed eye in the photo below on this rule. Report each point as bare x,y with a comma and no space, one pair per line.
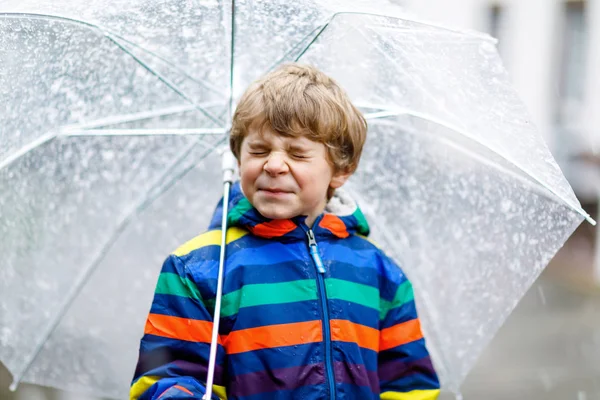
299,156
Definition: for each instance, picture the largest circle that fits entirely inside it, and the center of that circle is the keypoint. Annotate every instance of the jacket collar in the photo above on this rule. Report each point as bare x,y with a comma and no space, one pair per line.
341,218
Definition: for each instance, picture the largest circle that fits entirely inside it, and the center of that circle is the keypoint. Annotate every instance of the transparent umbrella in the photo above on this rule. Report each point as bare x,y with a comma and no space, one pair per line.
112,117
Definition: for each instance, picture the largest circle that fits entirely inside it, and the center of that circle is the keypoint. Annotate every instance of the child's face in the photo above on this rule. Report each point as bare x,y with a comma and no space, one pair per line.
284,177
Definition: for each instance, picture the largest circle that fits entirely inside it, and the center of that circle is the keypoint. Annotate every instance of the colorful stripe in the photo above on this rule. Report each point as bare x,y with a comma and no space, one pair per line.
178,328
273,336
346,331
412,395
276,380
334,225
269,293
274,228
179,387
396,369
362,226
400,334
210,238
367,296
141,385
357,375
404,295
173,284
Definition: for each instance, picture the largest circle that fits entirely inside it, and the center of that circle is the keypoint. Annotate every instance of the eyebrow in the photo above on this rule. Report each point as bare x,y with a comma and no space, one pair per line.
298,148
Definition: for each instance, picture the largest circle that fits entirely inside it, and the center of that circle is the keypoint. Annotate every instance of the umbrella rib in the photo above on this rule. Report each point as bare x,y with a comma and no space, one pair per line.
27,148
294,47
231,62
201,82
144,132
148,197
138,116
115,40
164,80
330,19
463,132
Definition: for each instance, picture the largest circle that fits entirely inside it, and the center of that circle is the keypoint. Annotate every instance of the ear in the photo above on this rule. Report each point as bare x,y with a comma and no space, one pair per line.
339,179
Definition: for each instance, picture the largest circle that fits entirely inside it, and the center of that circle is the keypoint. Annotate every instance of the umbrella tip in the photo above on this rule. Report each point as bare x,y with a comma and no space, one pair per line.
590,220
13,386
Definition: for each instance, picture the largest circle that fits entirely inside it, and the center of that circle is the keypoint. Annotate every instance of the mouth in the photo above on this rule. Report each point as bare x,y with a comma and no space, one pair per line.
274,191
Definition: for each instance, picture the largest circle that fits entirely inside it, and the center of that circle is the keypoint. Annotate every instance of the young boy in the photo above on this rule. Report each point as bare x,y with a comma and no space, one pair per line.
311,309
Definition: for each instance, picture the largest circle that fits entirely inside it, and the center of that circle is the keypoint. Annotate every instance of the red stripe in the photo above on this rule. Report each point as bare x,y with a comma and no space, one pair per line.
270,336
274,228
191,330
400,334
346,331
334,224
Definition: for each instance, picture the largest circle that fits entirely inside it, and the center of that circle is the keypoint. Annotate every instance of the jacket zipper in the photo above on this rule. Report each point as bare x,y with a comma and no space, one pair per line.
314,252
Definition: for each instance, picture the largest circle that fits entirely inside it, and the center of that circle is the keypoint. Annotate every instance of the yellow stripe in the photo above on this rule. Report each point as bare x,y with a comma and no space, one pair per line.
368,239
220,391
141,385
210,238
412,395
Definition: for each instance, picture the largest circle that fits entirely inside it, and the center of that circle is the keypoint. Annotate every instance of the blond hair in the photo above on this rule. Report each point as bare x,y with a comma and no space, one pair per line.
299,100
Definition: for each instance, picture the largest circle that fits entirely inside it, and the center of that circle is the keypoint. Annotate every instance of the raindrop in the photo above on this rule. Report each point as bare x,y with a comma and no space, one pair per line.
542,295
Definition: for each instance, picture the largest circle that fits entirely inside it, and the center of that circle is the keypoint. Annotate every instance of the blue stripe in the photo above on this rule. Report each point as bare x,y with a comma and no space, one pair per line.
273,314
406,352
357,313
178,306
353,354
405,312
352,273
417,381
304,392
274,358
250,273
156,351
269,253
350,391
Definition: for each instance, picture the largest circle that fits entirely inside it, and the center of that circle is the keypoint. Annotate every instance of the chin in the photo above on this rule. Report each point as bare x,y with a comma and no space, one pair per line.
267,212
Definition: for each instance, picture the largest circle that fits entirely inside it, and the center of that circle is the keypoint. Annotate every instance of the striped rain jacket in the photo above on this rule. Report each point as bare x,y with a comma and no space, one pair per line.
316,313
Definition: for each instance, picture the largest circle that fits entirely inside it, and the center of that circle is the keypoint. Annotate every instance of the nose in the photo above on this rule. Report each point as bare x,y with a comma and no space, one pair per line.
276,164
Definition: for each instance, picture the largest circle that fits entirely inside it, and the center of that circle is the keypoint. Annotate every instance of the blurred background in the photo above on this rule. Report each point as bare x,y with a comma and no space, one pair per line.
550,346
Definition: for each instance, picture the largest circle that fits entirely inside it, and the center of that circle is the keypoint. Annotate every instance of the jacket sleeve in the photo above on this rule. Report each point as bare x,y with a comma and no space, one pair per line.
404,365
174,351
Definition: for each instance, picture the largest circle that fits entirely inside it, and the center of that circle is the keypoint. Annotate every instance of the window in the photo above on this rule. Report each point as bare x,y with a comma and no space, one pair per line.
495,22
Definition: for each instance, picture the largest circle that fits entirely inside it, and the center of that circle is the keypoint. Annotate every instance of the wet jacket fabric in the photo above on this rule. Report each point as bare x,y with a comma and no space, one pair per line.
329,318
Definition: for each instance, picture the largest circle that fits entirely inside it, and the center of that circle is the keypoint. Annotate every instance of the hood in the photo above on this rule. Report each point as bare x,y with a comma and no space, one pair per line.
342,218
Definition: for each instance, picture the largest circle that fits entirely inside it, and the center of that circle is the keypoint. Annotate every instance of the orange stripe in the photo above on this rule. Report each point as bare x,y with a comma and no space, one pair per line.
176,387
266,337
192,330
400,334
346,331
335,225
183,389
274,228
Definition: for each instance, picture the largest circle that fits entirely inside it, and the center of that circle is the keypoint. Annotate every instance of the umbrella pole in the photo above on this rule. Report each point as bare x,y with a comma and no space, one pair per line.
228,170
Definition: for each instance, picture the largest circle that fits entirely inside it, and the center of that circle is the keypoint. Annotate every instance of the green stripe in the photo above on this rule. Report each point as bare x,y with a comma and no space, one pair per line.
404,294
267,293
234,215
362,226
170,283
367,296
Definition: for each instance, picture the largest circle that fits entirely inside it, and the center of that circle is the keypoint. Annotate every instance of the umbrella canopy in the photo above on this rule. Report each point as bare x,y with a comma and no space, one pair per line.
108,162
